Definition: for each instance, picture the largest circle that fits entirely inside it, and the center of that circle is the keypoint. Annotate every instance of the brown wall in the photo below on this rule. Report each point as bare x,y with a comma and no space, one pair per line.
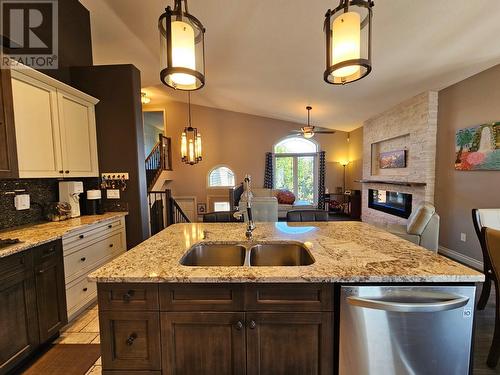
239,141
470,102
119,137
355,151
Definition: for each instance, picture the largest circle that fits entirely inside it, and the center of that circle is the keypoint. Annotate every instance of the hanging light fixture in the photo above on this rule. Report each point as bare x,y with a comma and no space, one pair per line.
145,99
182,48
348,32
308,131
190,141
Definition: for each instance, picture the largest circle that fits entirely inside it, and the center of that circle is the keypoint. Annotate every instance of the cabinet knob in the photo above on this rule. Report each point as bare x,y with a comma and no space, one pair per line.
85,289
127,296
131,338
110,226
253,324
81,236
83,259
110,245
239,325
66,171
61,171
41,271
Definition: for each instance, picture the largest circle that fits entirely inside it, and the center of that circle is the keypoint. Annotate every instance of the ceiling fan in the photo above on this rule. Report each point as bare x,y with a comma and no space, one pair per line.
309,131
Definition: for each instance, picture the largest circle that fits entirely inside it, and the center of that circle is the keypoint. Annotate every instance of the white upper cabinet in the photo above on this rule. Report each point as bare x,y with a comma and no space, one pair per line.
78,136
55,127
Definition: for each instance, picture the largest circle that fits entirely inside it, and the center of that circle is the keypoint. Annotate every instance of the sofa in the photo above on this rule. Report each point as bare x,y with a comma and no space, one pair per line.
282,208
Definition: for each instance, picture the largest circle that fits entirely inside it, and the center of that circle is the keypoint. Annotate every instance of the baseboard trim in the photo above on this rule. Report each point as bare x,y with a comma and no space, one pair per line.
459,257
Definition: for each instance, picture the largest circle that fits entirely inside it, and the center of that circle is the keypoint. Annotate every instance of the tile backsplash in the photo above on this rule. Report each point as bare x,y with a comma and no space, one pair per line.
41,191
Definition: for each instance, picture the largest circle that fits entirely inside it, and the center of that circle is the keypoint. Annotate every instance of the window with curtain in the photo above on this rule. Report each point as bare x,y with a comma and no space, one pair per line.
296,168
221,176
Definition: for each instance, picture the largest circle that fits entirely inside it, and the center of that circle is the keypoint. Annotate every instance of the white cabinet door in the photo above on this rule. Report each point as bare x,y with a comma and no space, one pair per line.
78,136
37,128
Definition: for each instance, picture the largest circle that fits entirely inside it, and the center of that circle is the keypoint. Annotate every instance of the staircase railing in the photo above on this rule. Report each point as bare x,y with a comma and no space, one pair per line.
164,211
158,160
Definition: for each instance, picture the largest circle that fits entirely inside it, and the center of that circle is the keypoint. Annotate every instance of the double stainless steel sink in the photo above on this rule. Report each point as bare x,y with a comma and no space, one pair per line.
255,254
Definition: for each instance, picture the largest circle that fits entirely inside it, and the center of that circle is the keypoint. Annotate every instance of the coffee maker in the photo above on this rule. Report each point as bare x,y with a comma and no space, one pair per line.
69,191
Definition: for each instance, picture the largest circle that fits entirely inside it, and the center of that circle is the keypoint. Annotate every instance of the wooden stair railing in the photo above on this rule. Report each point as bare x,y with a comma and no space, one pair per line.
158,160
164,211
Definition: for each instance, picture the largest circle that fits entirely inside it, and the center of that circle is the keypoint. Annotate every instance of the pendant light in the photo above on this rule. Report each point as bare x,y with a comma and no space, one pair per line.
348,34
182,48
190,141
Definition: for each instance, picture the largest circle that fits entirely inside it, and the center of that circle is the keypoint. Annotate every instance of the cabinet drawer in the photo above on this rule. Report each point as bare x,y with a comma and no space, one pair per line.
130,340
48,252
14,264
131,297
89,233
289,297
202,297
79,294
81,261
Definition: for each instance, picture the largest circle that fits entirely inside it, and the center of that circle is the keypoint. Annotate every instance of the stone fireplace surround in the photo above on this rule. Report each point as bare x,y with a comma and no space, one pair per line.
411,125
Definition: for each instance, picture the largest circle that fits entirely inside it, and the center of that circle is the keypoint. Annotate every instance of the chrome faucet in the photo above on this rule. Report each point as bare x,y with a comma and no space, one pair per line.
239,214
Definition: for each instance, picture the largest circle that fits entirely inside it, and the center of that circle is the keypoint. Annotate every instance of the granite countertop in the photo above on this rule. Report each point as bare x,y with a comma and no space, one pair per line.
38,234
344,252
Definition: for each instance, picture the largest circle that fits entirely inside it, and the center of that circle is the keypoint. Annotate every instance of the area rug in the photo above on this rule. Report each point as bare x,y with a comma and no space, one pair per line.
65,359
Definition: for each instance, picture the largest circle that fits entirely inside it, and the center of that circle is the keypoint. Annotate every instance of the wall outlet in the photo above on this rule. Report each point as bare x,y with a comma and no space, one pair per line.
463,237
113,194
22,202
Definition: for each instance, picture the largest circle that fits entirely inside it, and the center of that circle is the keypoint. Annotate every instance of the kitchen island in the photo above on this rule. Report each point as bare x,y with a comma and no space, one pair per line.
158,316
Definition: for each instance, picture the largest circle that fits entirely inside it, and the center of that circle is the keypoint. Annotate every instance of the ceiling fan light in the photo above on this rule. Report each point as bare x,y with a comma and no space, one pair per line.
308,134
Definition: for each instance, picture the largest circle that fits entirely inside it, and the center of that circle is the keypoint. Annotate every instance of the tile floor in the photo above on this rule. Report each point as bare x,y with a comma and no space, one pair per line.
83,330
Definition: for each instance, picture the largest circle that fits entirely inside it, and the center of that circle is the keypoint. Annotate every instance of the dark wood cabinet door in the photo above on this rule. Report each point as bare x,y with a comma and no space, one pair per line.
50,289
203,343
8,149
130,340
18,322
289,343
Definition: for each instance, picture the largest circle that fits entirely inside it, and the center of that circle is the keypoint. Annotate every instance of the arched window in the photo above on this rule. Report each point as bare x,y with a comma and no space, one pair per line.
221,176
296,168
295,145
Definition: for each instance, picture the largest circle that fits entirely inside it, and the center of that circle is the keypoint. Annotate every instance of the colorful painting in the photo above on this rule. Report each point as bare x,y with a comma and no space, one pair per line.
478,148
393,159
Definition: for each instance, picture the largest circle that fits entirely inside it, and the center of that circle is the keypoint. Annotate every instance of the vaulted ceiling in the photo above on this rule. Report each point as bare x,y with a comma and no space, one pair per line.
266,57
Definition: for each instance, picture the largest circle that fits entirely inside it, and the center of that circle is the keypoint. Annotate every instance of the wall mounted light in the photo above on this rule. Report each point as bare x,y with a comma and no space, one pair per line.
145,99
191,151
348,34
182,48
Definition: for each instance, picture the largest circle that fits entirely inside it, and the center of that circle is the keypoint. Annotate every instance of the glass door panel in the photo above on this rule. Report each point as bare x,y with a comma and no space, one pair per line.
305,178
284,173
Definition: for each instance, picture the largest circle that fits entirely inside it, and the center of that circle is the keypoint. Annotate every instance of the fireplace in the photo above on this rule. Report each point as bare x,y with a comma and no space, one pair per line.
390,202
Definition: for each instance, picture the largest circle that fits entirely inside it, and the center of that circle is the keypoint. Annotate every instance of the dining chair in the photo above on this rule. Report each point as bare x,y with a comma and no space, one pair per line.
481,218
492,242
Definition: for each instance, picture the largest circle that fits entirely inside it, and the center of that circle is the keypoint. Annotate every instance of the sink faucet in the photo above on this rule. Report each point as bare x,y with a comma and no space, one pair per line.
238,214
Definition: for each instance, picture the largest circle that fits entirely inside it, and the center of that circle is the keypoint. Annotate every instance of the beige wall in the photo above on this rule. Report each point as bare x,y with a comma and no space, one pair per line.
470,102
239,141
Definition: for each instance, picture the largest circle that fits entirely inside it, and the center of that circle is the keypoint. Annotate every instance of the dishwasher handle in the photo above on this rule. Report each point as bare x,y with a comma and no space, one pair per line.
413,307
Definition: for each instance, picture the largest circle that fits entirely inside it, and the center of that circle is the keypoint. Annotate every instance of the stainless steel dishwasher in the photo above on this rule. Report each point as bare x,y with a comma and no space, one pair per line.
417,330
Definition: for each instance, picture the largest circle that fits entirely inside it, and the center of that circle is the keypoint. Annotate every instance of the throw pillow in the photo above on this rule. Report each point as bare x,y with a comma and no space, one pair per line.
285,197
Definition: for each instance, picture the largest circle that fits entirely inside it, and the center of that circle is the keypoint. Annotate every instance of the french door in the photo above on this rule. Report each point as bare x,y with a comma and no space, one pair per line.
297,173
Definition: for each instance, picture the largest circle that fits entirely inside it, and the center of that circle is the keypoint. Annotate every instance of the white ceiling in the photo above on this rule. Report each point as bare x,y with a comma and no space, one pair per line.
266,57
